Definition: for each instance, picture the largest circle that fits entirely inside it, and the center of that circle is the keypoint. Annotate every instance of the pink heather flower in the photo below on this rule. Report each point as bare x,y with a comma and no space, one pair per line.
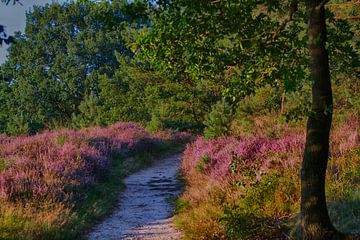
56,164
230,157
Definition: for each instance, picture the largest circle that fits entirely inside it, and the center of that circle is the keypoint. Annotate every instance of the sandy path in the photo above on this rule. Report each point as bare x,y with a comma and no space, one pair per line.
144,211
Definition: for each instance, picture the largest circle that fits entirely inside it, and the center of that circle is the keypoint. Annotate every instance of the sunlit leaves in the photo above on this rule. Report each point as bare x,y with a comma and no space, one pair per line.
230,46
220,42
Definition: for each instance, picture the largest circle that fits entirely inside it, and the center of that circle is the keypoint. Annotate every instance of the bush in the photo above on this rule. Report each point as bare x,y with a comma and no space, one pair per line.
217,122
264,100
89,113
155,124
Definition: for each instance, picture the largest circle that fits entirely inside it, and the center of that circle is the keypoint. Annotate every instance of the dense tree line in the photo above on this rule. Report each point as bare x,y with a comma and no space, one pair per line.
57,63
165,65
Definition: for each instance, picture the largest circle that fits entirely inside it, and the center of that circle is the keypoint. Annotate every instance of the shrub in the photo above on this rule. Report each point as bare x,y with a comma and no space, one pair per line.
89,113
155,125
217,122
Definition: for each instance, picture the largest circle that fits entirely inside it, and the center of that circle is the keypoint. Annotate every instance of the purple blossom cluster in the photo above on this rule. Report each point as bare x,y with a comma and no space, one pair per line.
56,165
235,158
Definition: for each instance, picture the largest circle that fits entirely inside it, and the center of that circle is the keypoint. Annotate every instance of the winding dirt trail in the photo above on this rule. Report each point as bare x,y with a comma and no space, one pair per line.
144,211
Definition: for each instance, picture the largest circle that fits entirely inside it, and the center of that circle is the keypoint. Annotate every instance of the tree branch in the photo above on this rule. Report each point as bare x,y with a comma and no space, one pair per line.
322,4
293,8
14,2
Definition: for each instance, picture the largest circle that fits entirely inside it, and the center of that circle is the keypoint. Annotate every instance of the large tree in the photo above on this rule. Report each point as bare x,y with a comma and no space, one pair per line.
228,49
315,220
223,49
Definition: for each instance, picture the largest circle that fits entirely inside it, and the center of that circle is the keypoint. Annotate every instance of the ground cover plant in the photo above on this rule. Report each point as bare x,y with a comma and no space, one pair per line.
54,184
248,187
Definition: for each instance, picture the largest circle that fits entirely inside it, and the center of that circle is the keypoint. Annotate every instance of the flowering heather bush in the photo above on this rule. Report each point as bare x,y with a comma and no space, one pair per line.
55,165
345,137
118,138
41,167
226,157
4,138
249,188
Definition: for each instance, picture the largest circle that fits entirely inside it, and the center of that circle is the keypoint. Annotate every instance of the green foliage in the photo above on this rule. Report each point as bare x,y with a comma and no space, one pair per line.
4,163
58,62
222,48
201,164
200,221
298,103
346,97
155,124
22,123
228,51
181,205
262,101
246,225
272,196
137,93
130,94
217,122
89,113
173,60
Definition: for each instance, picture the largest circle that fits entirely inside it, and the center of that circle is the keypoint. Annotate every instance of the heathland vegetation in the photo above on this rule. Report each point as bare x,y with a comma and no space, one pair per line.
54,185
92,90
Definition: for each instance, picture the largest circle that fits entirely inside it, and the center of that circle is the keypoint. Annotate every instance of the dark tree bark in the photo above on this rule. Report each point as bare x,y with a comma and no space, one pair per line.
315,220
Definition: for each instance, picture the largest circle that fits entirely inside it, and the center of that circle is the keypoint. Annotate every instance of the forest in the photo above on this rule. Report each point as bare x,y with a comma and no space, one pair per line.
261,97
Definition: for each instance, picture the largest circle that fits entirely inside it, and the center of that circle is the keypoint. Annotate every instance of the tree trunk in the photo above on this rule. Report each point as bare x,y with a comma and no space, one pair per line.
315,221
